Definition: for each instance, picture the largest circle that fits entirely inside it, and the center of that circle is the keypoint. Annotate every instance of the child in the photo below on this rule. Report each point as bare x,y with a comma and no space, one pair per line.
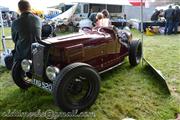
99,17
105,20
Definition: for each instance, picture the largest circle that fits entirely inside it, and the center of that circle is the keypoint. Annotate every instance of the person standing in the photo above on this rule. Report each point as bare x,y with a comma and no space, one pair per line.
8,18
169,20
176,20
92,16
25,30
90,12
155,15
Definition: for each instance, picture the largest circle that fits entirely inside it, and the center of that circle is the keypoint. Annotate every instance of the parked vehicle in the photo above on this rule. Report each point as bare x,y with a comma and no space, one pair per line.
69,66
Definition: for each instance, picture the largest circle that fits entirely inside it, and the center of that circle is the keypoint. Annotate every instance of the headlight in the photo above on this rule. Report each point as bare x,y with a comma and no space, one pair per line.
26,65
52,72
127,29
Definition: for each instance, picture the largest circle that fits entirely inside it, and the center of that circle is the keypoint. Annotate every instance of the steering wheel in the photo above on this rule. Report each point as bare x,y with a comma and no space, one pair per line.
99,30
103,30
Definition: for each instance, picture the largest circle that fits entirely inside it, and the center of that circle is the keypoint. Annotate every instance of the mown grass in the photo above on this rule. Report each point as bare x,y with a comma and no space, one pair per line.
164,54
125,91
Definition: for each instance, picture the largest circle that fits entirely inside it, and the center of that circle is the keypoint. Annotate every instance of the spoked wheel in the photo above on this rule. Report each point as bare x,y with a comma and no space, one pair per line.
78,89
20,78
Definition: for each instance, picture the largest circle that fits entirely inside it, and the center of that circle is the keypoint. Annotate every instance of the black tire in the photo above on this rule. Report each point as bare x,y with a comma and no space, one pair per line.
19,76
71,81
135,52
8,61
46,31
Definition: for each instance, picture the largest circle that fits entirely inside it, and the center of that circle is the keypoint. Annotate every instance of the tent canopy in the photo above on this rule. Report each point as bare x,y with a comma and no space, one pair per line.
37,4
109,2
42,4
4,9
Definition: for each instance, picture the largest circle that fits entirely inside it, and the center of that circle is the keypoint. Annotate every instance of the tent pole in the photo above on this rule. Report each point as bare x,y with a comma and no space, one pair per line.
2,33
142,31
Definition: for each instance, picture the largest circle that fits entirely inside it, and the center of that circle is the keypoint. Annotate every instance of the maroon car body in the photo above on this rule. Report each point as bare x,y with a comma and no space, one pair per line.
69,66
101,50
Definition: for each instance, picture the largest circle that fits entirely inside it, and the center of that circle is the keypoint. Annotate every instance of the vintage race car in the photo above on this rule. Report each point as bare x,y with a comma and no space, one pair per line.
70,66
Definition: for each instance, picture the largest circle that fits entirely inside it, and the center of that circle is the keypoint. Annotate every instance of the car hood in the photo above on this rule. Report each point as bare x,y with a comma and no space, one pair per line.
75,36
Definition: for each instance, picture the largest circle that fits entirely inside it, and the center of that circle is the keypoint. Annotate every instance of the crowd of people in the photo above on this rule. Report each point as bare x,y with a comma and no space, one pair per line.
9,17
172,19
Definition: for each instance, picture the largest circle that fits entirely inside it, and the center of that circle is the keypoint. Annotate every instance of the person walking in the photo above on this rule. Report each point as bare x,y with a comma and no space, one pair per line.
25,30
169,20
176,19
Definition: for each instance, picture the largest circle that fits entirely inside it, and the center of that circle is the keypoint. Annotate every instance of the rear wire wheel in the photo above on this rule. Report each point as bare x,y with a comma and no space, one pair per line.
135,52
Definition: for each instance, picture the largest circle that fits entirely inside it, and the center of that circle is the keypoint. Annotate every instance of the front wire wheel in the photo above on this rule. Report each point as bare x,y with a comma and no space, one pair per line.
20,78
78,89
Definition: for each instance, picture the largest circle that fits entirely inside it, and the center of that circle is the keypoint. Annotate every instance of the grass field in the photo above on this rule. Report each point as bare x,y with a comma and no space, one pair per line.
125,91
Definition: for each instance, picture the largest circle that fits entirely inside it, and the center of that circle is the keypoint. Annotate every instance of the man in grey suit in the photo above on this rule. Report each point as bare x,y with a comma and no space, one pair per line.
25,30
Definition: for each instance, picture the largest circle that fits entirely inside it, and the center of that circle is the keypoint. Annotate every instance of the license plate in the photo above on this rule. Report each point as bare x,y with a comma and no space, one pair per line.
43,85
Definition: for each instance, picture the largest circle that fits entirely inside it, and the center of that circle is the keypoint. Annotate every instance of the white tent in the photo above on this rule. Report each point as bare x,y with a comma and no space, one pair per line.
37,4
4,8
67,14
109,2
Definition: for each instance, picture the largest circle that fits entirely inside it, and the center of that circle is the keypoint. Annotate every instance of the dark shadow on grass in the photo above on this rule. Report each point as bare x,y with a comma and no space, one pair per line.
30,100
3,70
161,84
34,94
144,70
116,70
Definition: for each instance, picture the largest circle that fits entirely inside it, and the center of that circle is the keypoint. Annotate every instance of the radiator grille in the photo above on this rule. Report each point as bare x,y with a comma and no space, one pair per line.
38,59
